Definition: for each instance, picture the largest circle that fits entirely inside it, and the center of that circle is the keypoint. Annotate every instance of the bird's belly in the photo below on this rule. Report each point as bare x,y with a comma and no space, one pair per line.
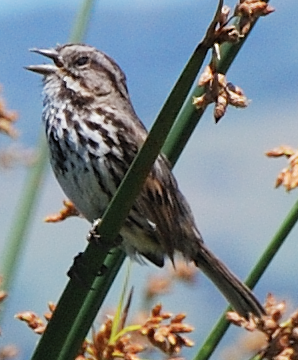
82,187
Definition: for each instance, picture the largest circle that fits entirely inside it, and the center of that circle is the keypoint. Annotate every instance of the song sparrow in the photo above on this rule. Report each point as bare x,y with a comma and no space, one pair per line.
93,134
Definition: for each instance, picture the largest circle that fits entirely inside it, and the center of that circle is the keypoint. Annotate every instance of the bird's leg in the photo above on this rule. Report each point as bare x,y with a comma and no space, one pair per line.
95,238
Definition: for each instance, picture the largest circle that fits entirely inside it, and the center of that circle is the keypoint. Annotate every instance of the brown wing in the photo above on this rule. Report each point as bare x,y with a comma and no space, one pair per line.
162,204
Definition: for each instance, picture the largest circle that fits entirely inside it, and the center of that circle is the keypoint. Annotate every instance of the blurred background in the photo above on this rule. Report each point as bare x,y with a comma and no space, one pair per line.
223,171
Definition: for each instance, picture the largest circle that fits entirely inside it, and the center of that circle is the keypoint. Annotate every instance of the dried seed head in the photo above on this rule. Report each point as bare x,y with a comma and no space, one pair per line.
8,352
184,272
220,106
249,11
206,76
280,337
201,102
166,337
288,177
224,15
228,34
3,295
32,320
237,100
7,118
68,211
157,285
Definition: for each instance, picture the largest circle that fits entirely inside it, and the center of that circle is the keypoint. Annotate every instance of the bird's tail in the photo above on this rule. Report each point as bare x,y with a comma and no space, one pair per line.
238,294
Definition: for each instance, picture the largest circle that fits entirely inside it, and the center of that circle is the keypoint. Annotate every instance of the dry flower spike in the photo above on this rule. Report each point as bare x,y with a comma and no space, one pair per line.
281,337
216,88
126,344
7,118
218,31
219,91
157,285
185,272
3,294
17,154
249,11
168,337
288,177
68,211
34,321
8,352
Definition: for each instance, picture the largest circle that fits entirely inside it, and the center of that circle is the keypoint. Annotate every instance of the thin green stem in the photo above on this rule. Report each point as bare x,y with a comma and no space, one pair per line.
258,270
16,238
273,247
81,22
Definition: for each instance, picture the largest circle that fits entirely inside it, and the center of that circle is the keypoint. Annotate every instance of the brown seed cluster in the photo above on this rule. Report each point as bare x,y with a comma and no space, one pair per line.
13,153
185,272
7,118
222,31
101,346
288,177
8,352
249,11
219,31
281,337
162,284
219,91
157,285
17,154
166,337
129,341
3,294
216,88
67,211
34,321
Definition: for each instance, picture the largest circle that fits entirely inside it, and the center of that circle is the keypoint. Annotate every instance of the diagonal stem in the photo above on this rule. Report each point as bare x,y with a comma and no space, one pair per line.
258,270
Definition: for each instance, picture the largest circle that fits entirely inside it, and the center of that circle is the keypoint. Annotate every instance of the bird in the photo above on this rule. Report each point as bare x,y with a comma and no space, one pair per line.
93,135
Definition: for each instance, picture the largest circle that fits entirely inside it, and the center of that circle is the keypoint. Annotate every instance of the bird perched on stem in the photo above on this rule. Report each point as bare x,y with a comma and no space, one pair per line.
93,135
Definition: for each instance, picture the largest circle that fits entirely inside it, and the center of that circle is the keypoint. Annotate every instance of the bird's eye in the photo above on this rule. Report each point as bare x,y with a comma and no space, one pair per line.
82,61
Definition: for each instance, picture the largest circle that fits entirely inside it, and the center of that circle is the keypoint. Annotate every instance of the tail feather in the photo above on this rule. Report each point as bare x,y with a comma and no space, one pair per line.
238,294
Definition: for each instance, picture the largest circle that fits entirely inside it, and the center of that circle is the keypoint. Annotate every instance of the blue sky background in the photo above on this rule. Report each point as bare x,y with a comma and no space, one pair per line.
223,171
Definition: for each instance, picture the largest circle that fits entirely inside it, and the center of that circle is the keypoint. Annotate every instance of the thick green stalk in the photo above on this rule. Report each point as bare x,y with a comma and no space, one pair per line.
92,304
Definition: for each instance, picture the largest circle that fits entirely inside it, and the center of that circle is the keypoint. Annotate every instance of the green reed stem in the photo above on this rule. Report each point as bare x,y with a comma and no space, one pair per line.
16,238
258,270
82,21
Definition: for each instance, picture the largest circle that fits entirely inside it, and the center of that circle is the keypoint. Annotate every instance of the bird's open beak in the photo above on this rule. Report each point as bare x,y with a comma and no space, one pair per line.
45,69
